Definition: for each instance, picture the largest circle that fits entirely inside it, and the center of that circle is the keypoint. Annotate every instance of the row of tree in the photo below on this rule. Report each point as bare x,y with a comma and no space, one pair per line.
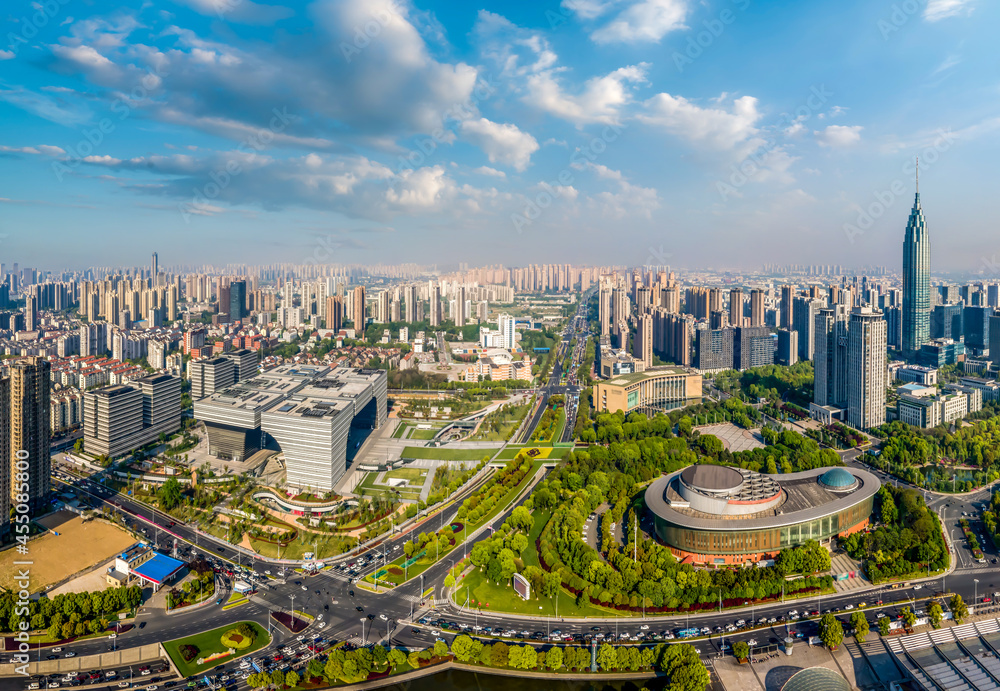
69,614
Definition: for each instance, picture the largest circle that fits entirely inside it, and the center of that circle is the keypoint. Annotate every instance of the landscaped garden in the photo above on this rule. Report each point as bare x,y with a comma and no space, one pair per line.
199,653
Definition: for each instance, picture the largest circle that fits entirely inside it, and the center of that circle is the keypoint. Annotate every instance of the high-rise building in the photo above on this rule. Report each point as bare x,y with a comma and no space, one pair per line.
209,375
460,314
334,313
916,281
120,418
753,346
505,324
155,267
788,347
5,455
735,307
30,431
410,303
946,321
976,329
787,296
237,301
713,349
358,309
435,305
756,307
643,347
995,336
867,378
245,362
804,311
830,361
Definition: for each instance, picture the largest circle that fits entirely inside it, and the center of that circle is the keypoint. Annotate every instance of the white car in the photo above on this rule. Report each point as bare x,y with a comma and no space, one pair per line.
917,587
644,627
849,607
383,617
57,650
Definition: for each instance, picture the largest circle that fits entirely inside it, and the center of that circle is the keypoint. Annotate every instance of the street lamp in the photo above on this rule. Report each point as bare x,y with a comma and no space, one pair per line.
976,598
364,641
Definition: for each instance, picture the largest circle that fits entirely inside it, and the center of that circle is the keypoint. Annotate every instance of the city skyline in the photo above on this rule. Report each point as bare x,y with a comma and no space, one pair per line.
646,130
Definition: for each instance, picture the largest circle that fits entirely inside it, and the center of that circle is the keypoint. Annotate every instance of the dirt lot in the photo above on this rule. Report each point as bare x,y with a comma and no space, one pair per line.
78,546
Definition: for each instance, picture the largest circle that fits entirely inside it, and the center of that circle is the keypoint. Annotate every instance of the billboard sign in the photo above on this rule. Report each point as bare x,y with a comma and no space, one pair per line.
521,586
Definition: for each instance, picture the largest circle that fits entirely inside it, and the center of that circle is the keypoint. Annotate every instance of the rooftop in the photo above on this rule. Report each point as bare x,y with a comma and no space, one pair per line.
626,379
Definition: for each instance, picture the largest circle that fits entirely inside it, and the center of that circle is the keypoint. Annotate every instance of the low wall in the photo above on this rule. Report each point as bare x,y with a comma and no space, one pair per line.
118,658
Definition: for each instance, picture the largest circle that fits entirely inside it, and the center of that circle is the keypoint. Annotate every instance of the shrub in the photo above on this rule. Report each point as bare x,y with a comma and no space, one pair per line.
189,652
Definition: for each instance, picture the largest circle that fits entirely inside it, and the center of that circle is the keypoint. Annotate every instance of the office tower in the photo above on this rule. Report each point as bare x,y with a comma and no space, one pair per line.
382,315
788,347
993,295
756,307
210,375
976,329
830,360
753,346
435,305
735,307
410,303
334,313
994,330
787,295
237,307
118,419
804,310
894,326
947,321
30,430
155,267
505,324
245,363
916,281
866,368
643,346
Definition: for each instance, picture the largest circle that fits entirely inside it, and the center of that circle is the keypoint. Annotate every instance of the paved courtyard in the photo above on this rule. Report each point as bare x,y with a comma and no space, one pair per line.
734,438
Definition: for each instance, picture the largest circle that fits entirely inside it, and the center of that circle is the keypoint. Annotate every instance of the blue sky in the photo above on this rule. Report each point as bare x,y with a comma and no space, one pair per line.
724,133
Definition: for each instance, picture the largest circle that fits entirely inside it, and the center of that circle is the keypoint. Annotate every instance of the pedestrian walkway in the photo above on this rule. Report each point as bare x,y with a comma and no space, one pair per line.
840,564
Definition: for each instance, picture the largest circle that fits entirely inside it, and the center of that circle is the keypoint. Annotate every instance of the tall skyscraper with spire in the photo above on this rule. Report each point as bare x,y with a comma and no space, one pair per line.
916,280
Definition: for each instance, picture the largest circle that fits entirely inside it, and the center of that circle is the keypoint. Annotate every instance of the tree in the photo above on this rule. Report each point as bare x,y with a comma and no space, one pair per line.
935,613
461,647
607,657
741,650
292,679
860,623
277,678
449,581
959,610
883,626
554,658
314,669
831,632
909,617
397,657
170,494
440,648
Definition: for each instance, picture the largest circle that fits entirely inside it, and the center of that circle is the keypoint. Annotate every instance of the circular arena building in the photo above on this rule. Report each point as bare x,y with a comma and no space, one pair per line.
711,514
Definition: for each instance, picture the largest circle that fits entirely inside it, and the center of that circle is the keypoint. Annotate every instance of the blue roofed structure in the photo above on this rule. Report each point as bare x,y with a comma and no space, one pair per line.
158,569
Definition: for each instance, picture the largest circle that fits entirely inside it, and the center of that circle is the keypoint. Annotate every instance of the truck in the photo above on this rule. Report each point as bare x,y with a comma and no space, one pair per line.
687,633
242,587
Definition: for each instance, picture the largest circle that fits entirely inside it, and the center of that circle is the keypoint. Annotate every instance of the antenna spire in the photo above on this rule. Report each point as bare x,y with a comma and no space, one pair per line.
918,175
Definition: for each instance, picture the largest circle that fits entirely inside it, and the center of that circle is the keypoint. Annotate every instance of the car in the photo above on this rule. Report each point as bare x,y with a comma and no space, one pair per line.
53,685
360,608
644,627
142,625
113,635
849,607
305,588
144,673
917,587
57,650
383,617
123,684
70,654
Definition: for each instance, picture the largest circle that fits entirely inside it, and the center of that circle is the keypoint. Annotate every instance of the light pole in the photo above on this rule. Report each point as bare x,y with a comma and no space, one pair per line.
976,597
364,641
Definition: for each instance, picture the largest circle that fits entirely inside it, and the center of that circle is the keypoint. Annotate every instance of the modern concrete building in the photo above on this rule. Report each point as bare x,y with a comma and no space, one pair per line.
753,346
306,410
659,388
119,419
245,363
209,375
866,368
830,359
29,431
643,347
715,515
788,347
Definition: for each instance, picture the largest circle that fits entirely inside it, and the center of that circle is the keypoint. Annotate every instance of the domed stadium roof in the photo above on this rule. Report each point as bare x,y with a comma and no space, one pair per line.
838,479
713,478
816,679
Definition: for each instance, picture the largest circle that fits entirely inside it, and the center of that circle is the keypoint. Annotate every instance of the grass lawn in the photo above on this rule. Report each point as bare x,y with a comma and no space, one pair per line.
447,454
415,476
234,605
210,642
424,434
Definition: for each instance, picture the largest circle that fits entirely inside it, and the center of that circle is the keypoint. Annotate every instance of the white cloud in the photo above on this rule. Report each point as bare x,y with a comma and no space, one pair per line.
587,9
839,135
40,150
600,100
492,172
6,55
942,9
243,11
646,21
503,143
715,128
946,65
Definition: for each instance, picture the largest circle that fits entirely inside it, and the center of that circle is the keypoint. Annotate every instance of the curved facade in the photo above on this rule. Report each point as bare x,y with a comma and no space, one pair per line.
722,515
